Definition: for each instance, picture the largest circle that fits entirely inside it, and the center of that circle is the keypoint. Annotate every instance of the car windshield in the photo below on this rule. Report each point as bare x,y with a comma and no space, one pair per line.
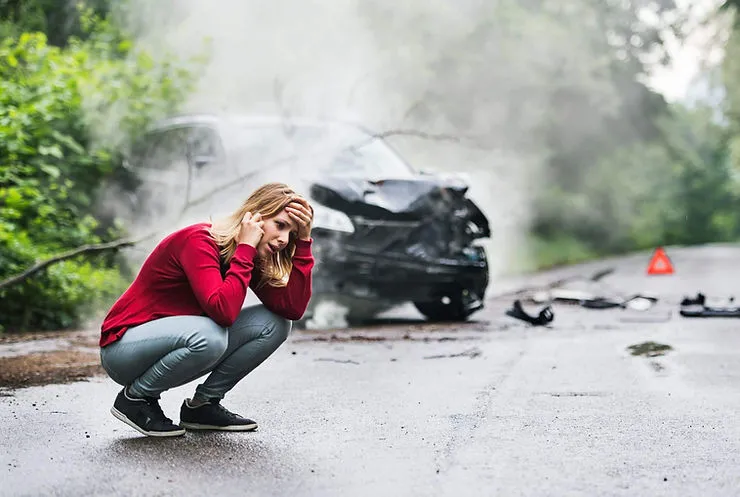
337,150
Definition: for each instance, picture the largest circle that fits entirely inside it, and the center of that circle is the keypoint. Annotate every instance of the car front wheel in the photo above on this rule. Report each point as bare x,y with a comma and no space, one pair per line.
456,306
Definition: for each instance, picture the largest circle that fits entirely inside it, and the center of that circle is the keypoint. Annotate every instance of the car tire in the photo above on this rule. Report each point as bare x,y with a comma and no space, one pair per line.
447,308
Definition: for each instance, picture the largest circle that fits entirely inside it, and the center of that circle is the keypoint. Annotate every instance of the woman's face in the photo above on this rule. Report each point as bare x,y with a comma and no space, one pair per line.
278,231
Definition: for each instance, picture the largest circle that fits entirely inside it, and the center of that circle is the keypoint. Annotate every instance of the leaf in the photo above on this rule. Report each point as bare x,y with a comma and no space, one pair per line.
50,170
125,46
14,199
53,150
70,142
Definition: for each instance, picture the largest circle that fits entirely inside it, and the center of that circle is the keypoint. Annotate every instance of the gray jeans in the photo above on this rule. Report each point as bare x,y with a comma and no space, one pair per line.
169,352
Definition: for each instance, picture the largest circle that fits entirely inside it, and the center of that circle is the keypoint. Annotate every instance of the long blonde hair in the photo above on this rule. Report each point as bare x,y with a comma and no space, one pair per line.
268,200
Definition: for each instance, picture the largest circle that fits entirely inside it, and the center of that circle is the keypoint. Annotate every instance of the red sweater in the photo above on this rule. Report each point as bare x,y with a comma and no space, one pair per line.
182,276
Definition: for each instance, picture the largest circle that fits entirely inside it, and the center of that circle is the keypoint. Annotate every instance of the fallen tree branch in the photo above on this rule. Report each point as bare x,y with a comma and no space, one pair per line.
421,134
476,142
84,249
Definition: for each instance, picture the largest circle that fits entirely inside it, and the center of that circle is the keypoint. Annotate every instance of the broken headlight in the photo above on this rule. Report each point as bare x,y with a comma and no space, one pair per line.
330,219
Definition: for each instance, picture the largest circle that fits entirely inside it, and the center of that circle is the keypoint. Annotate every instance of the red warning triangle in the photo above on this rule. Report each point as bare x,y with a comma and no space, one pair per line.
660,263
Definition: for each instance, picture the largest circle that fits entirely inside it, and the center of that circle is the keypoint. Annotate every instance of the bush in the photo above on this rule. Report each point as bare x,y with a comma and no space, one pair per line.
679,188
58,297
64,114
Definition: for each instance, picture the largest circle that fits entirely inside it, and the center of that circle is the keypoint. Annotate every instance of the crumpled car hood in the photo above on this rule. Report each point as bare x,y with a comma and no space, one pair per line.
392,195
425,197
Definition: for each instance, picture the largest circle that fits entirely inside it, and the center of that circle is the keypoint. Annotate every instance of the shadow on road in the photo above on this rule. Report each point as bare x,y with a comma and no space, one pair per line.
241,453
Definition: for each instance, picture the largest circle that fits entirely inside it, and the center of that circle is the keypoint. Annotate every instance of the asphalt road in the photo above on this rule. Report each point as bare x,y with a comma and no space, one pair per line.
491,407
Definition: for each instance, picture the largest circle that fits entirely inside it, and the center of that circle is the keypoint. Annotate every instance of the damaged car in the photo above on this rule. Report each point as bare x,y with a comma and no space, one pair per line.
384,233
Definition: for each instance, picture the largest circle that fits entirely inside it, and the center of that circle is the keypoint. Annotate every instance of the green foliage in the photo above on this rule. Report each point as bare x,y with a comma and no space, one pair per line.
731,4
731,73
545,253
57,297
64,114
650,174
59,20
676,189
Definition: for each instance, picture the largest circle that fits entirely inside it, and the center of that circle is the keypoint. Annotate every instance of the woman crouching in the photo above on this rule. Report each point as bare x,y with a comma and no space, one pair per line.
182,316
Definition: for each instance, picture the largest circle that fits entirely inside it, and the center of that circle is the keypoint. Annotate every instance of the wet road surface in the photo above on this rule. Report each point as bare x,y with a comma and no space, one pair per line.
490,407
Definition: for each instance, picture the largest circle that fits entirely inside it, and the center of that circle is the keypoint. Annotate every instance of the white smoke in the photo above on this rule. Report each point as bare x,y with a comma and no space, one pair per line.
490,74
376,63
328,314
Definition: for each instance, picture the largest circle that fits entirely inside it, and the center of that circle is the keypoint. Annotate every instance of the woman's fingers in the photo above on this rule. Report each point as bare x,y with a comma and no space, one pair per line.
296,217
301,219
303,204
299,212
301,200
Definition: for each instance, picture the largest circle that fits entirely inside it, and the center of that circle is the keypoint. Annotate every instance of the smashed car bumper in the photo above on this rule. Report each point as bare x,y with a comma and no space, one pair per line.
399,277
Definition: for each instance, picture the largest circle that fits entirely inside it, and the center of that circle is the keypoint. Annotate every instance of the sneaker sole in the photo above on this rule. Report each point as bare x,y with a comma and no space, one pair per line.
122,417
197,426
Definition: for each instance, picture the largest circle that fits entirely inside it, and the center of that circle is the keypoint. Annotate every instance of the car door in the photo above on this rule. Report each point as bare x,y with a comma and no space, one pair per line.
212,175
161,165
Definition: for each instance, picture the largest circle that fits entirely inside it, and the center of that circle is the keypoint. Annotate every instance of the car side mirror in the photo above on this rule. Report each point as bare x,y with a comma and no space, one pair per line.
200,161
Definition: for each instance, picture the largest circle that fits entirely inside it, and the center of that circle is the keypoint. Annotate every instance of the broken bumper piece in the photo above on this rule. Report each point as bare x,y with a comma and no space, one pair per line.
544,317
697,307
710,312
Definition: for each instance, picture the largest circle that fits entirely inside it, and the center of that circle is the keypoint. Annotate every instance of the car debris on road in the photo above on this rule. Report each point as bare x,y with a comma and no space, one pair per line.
542,318
698,307
593,300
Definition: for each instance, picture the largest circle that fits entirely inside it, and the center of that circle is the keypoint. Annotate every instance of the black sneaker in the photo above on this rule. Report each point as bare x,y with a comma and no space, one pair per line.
144,415
213,416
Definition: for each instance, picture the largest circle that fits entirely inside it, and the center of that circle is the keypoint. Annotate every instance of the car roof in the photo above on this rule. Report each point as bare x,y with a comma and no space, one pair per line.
248,120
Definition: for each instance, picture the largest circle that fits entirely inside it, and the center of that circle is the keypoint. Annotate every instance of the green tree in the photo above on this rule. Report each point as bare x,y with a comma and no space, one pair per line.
54,102
731,79
678,188
59,20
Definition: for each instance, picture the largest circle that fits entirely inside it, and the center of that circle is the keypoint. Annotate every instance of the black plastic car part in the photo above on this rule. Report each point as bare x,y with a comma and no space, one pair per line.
697,307
700,299
542,318
710,312
606,303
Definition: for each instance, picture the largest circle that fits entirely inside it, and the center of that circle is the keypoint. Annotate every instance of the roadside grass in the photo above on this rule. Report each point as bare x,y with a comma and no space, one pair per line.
542,254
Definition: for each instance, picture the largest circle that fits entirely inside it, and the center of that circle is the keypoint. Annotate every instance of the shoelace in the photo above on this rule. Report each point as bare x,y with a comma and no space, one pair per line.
225,411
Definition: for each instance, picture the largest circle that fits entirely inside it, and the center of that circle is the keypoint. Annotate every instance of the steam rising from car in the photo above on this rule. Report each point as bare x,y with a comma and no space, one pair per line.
360,61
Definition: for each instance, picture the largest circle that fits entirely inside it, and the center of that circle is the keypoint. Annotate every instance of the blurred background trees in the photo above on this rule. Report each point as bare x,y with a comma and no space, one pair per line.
59,21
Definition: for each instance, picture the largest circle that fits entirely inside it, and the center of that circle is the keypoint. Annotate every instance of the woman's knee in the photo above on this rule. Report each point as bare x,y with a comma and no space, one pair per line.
258,322
208,340
274,327
280,328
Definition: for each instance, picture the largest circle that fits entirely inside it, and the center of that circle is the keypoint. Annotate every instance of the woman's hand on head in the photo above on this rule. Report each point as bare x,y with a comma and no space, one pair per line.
250,232
302,213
